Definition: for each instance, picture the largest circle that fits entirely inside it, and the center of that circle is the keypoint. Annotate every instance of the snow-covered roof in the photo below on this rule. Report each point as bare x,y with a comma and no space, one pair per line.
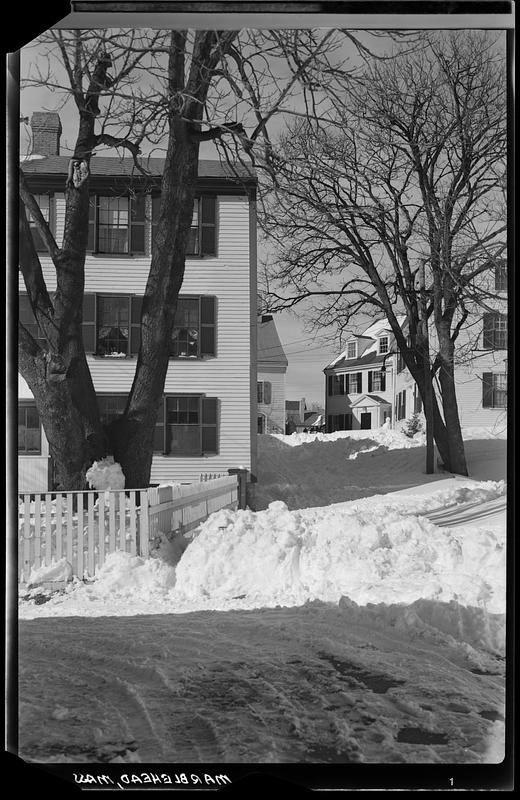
372,332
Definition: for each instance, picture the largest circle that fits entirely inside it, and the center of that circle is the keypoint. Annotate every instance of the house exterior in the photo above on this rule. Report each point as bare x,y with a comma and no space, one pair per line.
207,419
294,415
368,382
272,366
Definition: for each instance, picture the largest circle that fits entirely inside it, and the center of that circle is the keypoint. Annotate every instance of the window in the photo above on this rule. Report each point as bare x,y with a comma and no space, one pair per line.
263,391
194,328
202,233
495,331
351,349
354,383
28,320
116,224
187,426
113,325
46,204
401,405
111,407
29,430
494,390
336,385
501,277
383,345
376,381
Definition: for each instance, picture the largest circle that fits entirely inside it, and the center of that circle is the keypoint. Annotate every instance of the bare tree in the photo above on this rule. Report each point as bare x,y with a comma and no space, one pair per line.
405,181
132,88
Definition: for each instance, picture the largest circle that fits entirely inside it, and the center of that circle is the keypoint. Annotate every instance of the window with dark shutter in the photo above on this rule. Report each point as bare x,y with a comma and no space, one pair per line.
208,315
494,331
159,433
92,214
208,214
267,393
329,385
47,207
260,392
89,323
137,223
135,324
209,425
29,430
487,390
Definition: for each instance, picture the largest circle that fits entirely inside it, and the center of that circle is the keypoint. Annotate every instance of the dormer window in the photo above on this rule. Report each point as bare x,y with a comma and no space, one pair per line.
351,349
383,345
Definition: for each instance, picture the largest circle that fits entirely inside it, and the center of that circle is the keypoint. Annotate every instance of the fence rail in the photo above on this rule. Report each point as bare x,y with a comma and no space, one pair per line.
84,527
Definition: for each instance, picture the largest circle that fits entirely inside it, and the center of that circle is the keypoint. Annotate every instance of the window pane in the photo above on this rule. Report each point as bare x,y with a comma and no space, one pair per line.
185,335
351,350
184,439
192,246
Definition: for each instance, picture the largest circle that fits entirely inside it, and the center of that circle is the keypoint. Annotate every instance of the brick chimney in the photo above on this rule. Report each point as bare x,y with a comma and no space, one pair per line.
46,132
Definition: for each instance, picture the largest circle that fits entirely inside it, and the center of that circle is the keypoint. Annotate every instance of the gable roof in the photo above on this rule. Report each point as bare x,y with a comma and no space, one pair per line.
373,400
343,362
112,167
269,348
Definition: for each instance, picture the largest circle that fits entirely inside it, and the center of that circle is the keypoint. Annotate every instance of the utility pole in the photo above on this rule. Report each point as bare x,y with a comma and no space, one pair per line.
428,386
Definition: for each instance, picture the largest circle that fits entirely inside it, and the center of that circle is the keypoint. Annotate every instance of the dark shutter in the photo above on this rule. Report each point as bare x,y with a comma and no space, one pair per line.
267,393
488,339
156,205
383,381
89,323
404,403
137,222
359,382
208,214
342,384
136,304
209,425
348,422
208,314
92,213
370,381
329,390
487,390
158,437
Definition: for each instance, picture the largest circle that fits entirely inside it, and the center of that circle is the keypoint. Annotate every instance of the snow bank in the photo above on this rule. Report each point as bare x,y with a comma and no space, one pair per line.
279,557
105,474
384,436
58,571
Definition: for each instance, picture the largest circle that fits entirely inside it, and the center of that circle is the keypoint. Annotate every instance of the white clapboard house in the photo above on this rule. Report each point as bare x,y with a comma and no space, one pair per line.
207,421
369,383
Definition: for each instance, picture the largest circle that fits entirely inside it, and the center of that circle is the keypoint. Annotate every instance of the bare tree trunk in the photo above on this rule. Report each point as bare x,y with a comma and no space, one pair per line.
457,459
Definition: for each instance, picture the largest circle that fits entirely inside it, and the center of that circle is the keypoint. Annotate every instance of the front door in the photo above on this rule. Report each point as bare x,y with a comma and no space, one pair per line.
366,421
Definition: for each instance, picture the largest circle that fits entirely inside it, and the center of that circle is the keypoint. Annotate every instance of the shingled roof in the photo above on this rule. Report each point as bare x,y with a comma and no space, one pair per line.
111,166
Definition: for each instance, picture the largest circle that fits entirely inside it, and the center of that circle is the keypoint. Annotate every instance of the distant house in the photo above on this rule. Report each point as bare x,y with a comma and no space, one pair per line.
294,415
315,420
206,420
369,383
272,366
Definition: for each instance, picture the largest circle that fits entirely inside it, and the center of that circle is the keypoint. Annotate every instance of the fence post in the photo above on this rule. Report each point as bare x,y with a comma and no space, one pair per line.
241,474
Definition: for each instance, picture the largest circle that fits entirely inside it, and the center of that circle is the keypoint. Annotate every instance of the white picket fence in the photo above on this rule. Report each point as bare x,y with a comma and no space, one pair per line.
84,527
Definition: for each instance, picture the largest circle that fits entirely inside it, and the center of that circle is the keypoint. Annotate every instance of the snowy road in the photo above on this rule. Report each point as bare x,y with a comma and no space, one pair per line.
317,683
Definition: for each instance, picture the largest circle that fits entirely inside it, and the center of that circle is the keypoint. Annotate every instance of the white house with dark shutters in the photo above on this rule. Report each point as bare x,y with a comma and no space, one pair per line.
369,383
272,366
207,419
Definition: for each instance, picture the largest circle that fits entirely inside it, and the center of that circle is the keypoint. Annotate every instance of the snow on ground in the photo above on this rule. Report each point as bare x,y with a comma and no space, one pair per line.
317,469
353,630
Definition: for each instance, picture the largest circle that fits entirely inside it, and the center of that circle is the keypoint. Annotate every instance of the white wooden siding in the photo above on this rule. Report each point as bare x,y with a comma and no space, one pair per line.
228,376
33,473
